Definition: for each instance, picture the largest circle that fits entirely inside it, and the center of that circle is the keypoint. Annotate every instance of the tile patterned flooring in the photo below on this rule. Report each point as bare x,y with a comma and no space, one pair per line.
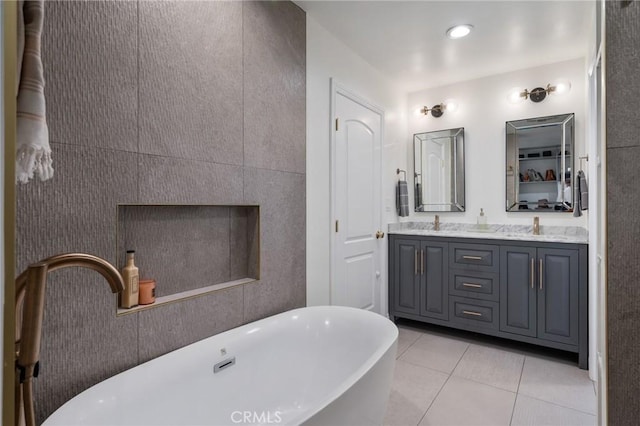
453,378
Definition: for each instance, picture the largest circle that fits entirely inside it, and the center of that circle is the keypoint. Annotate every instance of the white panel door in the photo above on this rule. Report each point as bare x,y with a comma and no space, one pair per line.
356,258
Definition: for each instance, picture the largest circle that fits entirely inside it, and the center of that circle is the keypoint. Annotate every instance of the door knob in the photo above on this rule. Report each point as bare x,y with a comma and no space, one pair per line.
379,234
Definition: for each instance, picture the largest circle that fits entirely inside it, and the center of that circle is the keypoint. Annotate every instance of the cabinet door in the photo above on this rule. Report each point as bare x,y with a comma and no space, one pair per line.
406,278
434,267
558,295
518,290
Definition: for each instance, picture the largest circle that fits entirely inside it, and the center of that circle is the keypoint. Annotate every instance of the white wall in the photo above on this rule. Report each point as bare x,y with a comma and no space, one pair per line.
327,58
483,110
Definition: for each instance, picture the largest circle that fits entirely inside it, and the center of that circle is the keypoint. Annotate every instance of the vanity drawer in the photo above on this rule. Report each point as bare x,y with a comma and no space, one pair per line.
475,257
474,313
479,285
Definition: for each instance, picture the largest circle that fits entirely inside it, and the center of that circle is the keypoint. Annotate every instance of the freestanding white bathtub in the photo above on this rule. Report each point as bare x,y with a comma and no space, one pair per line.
319,365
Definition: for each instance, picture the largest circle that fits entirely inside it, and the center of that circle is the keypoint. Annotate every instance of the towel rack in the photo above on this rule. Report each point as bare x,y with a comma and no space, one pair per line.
398,171
583,158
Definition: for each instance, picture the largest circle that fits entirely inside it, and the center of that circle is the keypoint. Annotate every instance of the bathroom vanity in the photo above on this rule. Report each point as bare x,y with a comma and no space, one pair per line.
500,280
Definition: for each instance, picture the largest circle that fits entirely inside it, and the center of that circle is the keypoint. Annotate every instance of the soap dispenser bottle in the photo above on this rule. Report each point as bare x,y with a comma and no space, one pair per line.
482,219
129,296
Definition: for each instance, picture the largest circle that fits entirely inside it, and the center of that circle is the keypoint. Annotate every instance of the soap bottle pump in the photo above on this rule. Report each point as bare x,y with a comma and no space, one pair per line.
482,219
129,296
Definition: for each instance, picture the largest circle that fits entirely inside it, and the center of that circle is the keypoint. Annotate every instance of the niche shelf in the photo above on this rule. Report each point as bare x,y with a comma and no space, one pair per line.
190,250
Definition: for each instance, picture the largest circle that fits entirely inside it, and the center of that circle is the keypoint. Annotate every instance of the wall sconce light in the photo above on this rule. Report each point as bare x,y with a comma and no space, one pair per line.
438,110
539,94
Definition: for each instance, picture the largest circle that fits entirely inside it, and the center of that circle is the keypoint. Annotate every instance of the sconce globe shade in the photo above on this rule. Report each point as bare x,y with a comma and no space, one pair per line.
515,96
562,87
459,31
450,105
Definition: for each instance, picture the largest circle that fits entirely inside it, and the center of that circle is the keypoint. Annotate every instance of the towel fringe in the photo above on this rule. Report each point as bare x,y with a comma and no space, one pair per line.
32,161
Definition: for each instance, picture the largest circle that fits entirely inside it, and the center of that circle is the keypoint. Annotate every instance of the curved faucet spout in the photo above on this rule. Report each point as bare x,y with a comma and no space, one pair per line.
61,261
30,294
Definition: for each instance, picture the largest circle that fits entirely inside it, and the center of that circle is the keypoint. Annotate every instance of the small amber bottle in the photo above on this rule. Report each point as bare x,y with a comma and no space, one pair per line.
129,296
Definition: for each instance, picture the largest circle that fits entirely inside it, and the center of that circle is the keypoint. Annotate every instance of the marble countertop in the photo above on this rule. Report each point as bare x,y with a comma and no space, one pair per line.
551,234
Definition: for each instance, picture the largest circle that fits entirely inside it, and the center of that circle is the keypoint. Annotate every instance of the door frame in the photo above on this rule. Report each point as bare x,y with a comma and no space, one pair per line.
8,41
597,152
339,88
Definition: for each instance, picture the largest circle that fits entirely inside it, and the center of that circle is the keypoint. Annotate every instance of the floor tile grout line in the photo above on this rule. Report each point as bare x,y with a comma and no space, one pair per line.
513,410
557,405
444,384
398,355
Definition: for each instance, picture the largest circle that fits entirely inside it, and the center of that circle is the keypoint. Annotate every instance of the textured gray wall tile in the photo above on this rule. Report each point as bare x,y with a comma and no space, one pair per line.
274,86
168,180
283,244
623,223
622,62
191,80
82,341
90,62
623,292
175,325
182,248
76,210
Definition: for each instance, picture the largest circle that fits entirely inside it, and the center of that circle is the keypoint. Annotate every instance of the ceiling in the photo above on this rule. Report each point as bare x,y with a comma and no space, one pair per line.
406,40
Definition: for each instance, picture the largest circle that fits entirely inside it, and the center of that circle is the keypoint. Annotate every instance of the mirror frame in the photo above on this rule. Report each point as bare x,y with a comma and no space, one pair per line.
567,123
457,203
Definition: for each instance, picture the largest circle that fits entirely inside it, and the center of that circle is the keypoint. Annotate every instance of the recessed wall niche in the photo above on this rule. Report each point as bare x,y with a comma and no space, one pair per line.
190,250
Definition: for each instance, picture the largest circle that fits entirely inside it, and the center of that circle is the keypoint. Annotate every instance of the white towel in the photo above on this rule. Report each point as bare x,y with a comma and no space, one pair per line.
33,153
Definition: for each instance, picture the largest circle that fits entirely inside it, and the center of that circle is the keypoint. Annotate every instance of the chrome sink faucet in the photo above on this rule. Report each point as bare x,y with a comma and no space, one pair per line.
536,225
30,294
436,223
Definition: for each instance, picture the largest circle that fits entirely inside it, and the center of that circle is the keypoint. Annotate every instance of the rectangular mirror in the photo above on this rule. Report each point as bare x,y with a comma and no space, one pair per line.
540,165
439,171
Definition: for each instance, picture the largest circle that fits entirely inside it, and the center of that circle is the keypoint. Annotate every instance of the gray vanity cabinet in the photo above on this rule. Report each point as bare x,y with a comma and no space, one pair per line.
534,292
434,296
518,290
405,293
558,295
419,277
539,293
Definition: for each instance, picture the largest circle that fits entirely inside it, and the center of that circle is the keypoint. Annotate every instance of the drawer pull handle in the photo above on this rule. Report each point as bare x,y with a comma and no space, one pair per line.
472,257
471,285
416,262
475,314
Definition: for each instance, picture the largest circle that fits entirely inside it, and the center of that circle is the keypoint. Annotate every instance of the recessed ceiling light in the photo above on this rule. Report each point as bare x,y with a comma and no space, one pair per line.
459,31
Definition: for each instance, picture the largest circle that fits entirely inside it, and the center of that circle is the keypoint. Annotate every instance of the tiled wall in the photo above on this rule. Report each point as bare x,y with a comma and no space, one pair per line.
152,103
623,197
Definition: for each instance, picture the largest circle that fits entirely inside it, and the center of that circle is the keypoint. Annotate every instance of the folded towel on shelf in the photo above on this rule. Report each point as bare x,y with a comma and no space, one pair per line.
581,195
33,153
402,198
